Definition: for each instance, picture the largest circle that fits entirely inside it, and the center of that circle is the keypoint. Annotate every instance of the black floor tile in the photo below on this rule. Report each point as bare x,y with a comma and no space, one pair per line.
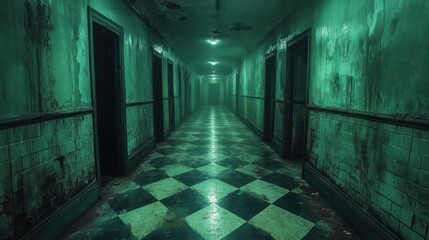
248,232
230,151
196,151
243,204
176,142
185,203
172,229
269,164
227,143
281,180
131,200
148,177
191,178
200,142
196,163
260,151
169,150
202,135
110,229
297,204
161,162
234,178
232,163
317,233
252,142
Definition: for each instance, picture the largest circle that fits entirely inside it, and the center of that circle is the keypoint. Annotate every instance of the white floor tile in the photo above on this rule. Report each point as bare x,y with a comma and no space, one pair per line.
165,188
254,170
212,169
281,224
214,222
266,191
176,169
214,189
145,219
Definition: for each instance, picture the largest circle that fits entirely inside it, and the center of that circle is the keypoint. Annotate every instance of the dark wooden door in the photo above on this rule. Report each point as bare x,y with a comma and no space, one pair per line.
237,93
171,103
180,82
108,97
158,106
296,98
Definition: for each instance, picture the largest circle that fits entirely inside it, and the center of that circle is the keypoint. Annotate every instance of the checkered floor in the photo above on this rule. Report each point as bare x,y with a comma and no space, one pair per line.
212,179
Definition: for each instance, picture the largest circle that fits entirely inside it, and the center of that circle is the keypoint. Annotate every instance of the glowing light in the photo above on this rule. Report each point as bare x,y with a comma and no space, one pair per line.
213,63
158,48
213,41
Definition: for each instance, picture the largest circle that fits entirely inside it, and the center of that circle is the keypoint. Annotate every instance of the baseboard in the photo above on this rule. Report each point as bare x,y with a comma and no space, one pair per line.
252,127
361,221
63,218
138,155
276,145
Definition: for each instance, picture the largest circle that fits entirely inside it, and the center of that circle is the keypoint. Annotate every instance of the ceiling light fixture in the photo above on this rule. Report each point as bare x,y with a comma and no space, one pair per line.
213,41
213,63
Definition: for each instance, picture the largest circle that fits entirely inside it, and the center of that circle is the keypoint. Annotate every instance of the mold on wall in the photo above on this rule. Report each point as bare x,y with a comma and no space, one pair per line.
139,126
49,162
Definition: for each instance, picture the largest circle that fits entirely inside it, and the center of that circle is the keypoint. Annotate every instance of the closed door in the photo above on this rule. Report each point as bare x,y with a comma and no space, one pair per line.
171,103
158,114
296,99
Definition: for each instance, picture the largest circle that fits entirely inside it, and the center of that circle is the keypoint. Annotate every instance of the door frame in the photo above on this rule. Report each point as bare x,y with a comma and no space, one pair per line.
303,38
268,129
179,82
186,90
171,103
237,94
158,107
122,163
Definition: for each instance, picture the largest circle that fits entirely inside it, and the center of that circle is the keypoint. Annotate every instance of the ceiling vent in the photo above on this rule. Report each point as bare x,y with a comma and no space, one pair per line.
173,16
240,27
172,5
220,34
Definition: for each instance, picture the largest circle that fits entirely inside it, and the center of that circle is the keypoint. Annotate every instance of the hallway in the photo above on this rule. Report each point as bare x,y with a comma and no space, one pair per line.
211,179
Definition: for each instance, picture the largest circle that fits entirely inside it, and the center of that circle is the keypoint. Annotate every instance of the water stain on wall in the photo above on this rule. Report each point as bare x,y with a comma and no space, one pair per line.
372,68
7,209
335,83
38,24
38,27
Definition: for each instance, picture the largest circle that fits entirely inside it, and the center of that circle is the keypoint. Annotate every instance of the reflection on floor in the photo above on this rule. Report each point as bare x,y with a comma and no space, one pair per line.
212,179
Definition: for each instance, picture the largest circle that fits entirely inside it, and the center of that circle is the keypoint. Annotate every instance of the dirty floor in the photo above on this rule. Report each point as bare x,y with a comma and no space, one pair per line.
212,179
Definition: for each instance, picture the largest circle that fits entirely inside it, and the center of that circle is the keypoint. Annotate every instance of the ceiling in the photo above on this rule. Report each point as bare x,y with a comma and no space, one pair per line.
238,25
